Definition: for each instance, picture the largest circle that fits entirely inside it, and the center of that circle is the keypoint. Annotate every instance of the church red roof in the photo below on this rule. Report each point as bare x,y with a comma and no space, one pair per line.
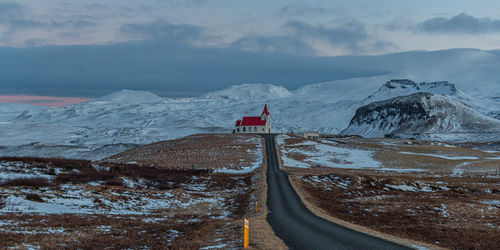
252,121
265,111
238,122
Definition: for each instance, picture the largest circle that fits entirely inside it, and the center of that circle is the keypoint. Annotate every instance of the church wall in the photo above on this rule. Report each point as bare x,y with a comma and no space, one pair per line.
251,129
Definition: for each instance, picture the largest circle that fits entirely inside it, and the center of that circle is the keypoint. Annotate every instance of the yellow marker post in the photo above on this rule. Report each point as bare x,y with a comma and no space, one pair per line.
246,240
256,207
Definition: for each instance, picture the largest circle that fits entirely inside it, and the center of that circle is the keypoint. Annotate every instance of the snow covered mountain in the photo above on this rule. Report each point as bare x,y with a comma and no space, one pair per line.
420,113
130,97
120,120
402,87
9,111
250,91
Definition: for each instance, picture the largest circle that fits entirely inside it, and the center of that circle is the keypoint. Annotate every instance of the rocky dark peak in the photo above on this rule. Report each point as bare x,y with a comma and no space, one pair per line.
439,84
395,82
402,87
421,112
406,105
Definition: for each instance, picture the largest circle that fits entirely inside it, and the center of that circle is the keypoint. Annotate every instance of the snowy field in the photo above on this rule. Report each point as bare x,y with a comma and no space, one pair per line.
41,197
301,153
398,155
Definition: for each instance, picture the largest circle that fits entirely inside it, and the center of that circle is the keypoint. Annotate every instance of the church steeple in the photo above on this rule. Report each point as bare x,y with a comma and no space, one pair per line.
265,111
265,114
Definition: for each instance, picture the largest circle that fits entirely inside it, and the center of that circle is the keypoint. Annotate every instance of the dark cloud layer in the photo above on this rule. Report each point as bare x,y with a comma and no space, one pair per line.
460,24
161,30
351,36
10,10
16,17
175,68
301,10
282,44
167,59
165,68
164,59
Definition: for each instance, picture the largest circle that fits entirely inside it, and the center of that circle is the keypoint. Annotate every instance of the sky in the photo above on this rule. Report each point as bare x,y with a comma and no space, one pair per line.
48,101
188,47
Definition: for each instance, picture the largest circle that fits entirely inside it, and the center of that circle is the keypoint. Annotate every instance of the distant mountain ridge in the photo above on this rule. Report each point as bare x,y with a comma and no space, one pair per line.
129,117
126,96
250,91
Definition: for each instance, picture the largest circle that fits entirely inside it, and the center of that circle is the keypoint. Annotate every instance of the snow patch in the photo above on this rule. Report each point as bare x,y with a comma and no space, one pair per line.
326,155
443,156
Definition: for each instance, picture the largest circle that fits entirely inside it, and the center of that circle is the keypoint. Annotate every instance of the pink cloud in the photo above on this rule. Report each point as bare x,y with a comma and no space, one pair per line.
49,101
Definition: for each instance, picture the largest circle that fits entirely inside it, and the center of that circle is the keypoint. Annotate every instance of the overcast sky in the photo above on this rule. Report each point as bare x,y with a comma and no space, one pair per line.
174,47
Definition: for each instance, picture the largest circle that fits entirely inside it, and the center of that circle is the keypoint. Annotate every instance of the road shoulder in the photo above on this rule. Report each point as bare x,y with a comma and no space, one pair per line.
262,235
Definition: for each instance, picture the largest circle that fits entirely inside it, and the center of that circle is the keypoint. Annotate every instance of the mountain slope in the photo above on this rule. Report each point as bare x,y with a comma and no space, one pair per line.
420,113
403,87
138,117
9,111
126,96
250,91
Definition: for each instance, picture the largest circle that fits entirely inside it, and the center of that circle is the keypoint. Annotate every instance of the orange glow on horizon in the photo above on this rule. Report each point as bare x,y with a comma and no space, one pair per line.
48,101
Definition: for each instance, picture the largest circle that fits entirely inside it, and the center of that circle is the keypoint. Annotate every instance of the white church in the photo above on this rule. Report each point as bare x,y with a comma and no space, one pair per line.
254,124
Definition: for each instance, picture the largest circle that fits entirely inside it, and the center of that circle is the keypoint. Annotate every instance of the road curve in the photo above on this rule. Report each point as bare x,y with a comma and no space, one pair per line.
298,227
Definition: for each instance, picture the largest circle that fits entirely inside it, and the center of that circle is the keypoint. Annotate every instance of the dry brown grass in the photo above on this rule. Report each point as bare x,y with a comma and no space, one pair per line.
205,151
34,197
210,225
465,223
50,162
71,231
387,152
27,182
393,159
174,159
403,154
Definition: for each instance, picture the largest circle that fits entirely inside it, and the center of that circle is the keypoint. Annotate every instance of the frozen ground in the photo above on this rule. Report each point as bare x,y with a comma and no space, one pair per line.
63,198
435,208
300,153
129,195
386,155
439,193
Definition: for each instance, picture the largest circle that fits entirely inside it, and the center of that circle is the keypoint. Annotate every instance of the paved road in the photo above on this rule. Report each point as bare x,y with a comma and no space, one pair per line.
297,226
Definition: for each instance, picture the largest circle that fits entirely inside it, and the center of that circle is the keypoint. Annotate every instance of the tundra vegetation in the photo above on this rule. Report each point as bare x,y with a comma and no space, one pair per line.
65,203
442,194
